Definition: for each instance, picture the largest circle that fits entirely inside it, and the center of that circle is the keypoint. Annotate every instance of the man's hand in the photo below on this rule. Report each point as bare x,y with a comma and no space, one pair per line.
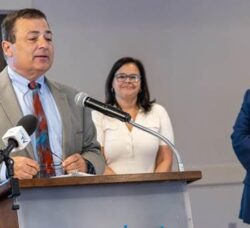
75,163
25,168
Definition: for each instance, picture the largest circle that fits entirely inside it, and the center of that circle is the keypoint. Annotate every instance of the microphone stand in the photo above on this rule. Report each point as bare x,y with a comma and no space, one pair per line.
14,183
164,139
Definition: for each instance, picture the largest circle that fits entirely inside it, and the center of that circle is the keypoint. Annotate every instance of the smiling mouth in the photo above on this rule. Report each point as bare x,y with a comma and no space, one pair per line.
42,56
128,87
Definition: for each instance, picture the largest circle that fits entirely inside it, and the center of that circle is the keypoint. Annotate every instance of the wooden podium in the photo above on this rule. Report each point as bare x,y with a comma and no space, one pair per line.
155,200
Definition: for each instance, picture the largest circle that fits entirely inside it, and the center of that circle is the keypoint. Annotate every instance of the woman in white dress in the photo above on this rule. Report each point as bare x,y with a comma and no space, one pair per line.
126,148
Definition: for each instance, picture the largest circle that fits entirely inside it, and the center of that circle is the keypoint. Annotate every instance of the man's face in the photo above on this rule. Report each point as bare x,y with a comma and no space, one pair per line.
32,53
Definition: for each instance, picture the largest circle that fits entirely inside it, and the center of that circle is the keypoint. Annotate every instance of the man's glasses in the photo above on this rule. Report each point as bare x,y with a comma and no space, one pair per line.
57,166
122,77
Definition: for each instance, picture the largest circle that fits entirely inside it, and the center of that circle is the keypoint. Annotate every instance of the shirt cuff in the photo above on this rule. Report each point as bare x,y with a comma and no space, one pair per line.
90,167
3,172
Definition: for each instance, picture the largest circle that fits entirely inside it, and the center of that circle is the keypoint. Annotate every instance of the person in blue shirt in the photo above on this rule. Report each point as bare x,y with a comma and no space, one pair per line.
241,145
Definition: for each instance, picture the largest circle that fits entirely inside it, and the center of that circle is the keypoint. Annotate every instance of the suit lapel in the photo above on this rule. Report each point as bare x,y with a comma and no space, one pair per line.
10,104
9,100
64,110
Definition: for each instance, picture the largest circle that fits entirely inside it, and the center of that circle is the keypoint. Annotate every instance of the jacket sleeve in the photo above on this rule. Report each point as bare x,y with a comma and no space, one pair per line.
91,147
241,133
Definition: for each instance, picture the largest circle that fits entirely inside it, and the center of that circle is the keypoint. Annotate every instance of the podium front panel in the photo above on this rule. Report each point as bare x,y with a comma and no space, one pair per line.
130,205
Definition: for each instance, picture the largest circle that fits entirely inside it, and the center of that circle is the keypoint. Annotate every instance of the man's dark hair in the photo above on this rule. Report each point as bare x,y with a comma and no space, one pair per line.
8,24
143,98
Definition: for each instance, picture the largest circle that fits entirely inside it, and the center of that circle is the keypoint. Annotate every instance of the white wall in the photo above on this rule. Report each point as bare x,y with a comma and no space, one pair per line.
216,205
196,54
6,5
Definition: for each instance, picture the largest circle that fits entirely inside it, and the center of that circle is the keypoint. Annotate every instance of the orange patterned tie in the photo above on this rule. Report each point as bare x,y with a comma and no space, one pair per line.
42,135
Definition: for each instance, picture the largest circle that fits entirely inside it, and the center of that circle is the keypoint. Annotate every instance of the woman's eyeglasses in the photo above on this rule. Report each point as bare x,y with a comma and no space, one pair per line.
123,77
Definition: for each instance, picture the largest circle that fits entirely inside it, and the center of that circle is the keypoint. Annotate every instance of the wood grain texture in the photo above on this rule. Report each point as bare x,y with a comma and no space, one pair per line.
188,176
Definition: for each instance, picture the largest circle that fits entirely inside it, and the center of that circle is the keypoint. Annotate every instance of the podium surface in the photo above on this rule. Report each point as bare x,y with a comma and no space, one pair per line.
131,201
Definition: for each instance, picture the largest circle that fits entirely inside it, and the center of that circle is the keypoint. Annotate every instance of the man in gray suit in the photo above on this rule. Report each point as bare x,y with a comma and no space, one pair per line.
28,49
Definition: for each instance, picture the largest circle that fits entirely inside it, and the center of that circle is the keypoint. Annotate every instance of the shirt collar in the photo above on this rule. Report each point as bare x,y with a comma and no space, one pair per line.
22,83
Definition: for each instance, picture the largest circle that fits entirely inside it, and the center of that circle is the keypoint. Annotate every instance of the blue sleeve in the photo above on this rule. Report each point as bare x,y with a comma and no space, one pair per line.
241,133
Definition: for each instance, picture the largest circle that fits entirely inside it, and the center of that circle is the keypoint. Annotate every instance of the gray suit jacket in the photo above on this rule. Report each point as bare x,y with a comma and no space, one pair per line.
79,133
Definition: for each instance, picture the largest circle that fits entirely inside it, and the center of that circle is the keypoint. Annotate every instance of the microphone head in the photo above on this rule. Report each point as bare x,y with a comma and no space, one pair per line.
29,123
80,99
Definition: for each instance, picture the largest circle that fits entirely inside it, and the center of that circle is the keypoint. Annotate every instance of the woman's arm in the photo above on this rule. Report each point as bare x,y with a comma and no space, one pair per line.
164,159
107,170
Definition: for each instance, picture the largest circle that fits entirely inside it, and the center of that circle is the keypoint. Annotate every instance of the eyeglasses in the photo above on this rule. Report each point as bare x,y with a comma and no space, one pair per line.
122,77
57,167
54,166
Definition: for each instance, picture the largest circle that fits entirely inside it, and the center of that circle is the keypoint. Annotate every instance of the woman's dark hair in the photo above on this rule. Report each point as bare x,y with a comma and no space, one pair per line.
143,99
8,24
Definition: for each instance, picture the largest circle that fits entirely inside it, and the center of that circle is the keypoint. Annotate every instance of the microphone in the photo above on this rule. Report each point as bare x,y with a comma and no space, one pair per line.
83,100
17,138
